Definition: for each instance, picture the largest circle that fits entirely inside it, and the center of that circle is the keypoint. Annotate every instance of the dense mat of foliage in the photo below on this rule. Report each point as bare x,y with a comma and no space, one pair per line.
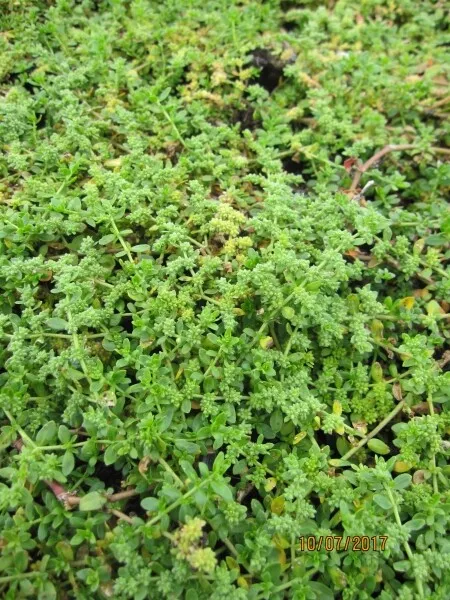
211,342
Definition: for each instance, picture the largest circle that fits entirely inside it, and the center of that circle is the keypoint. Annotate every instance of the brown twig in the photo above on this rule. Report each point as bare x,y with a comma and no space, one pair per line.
391,261
242,494
386,150
396,265
18,445
120,515
375,158
122,495
444,359
438,150
441,102
69,499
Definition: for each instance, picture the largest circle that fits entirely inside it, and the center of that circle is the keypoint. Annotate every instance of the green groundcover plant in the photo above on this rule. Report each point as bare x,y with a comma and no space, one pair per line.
224,308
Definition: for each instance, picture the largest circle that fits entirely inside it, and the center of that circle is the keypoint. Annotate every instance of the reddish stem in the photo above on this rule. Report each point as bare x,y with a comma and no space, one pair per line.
375,158
68,498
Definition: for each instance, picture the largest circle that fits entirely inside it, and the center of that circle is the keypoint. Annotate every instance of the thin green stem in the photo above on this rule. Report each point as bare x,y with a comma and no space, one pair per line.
77,445
8,578
171,121
169,470
273,333
23,434
433,458
212,300
63,336
291,582
374,432
406,546
289,342
233,551
293,542
76,344
196,243
103,283
121,240
213,363
177,503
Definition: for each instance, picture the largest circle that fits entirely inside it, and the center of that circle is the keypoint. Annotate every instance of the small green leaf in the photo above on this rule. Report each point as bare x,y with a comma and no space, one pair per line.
107,239
187,446
222,490
378,446
337,577
402,481
321,591
65,550
64,434
7,473
429,537
150,504
288,312
92,501
436,240
382,501
342,446
200,499
376,372
231,563
188,469
164,94
110,455
402,566
68,463
46,434
7,436
140,248
414,524
191,594
276,421
338,462
186,406
57,323
166,419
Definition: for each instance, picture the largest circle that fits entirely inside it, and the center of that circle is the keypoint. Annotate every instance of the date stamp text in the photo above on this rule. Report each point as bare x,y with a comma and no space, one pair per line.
356,543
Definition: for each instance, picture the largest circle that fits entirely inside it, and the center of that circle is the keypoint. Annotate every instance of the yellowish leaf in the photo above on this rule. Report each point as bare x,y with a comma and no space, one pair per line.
299,437
271,482
266,342
280,542
231,563
407,302
401,466
277,505
377,329
434,309
337,408
282,557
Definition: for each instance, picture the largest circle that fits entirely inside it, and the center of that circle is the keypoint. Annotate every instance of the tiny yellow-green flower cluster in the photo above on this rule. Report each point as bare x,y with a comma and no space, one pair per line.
187,541
227,221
